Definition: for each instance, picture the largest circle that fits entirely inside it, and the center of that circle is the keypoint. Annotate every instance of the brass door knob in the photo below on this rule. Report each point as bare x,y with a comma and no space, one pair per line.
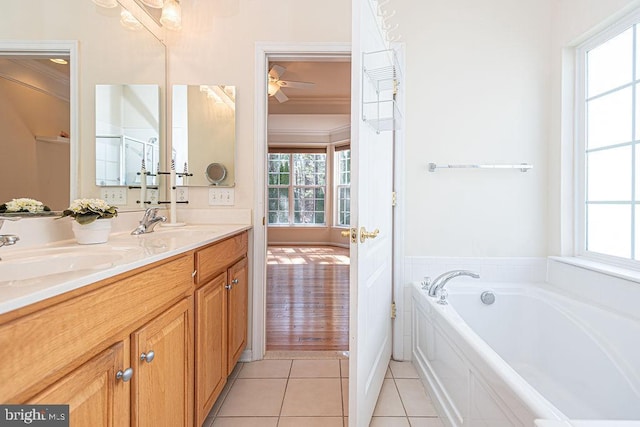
364,234
346,233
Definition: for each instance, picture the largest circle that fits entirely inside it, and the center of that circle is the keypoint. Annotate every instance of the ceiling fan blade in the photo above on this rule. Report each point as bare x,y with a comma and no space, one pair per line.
276,71
295,85
280,96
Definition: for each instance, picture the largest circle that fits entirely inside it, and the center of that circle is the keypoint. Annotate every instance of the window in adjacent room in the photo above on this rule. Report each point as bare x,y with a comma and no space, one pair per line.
609,136
297,188
343,185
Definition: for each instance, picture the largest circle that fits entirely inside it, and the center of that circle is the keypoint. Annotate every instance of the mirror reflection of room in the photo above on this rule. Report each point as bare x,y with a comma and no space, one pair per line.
204,134
127,134
35,123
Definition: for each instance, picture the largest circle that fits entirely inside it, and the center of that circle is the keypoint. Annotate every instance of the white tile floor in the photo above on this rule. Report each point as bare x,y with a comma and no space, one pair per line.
314,392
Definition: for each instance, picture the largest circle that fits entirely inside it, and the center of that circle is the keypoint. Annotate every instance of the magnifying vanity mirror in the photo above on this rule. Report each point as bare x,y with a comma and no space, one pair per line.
204,134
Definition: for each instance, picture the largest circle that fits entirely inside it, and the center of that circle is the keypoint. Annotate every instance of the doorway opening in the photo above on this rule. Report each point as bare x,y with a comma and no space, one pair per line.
307,183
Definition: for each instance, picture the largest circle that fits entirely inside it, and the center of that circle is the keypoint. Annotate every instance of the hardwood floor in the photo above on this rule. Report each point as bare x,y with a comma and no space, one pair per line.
307,298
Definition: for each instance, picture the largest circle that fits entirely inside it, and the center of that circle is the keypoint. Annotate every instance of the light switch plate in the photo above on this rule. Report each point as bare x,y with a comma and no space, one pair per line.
221,197
116,196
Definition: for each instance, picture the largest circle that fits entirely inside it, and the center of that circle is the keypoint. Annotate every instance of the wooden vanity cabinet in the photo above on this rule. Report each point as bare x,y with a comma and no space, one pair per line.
237,306
94,395
70,350
174,333
221,317
162,356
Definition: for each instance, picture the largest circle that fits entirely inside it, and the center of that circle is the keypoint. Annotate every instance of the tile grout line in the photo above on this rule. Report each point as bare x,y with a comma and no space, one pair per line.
286,386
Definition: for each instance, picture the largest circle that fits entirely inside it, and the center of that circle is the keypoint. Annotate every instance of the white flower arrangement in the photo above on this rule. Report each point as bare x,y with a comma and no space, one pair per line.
23,205
85,211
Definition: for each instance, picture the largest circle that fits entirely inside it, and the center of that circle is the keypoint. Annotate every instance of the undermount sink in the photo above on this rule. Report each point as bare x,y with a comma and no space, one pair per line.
44,262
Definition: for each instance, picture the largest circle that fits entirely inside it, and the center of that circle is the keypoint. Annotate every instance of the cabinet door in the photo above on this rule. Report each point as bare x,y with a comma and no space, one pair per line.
237,300
162,393
94,395
211,344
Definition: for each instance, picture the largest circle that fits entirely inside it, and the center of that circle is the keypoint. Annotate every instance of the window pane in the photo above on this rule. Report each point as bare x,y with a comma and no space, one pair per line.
610,64
279,169
278,205
609,175
609,119
609,229
343,205
309,169
344,167
308,205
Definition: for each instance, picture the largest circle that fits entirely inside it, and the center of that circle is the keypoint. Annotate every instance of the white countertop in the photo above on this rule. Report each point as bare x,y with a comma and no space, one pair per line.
122,253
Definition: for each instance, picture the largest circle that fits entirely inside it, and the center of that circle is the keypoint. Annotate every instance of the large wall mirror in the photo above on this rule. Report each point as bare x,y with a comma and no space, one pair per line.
107,53
204,134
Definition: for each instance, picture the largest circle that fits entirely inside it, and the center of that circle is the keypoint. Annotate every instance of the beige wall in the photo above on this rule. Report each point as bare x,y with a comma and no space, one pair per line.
477,91
217,46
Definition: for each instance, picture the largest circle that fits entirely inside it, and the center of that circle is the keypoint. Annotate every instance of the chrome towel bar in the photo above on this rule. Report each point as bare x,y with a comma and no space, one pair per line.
523,167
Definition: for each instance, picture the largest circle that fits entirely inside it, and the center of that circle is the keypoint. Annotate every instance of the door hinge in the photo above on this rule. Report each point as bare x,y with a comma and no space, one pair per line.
393,310
264,221
394,198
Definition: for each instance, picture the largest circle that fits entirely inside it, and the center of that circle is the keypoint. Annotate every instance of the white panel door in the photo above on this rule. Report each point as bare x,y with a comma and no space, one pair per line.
371,208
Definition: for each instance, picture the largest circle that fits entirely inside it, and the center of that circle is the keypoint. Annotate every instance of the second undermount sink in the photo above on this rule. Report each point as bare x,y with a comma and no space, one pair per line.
15,267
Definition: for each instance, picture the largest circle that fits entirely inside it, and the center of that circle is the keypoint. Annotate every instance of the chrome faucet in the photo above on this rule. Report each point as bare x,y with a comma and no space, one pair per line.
8,239
148,221
440,281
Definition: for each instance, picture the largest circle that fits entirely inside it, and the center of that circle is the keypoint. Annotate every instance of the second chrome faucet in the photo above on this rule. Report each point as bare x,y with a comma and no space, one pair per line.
149,220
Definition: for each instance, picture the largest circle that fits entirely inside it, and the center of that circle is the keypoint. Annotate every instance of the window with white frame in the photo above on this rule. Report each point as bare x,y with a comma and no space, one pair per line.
343,186
297,188
609,136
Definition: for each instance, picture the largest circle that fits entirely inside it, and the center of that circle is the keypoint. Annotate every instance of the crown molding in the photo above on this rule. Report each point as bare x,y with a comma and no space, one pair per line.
38,77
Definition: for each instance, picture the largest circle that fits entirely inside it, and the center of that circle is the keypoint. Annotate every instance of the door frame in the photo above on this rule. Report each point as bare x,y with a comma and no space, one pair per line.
264,53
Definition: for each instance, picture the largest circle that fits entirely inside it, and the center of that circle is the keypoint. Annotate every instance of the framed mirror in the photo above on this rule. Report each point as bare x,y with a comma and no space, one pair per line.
204,134
127,134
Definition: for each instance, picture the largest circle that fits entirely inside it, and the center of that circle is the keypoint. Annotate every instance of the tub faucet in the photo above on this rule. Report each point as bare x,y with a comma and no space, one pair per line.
148,221
439,282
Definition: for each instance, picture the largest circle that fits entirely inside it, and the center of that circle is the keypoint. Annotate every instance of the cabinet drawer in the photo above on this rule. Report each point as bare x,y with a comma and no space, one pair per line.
217,257
37,348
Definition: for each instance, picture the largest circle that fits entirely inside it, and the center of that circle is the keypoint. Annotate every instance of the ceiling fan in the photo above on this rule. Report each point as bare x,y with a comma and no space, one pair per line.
275,84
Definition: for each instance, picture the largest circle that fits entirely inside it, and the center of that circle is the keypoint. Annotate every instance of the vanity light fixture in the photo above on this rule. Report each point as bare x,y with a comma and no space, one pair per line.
156,4
171,15
106,3
60,61
129,21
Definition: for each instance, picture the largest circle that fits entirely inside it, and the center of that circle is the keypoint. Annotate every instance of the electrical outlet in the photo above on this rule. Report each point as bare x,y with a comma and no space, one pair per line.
116,196
182,194
221,197
152,196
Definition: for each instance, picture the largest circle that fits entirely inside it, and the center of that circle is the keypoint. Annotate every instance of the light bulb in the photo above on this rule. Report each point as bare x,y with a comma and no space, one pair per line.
129,21
157,4
171,15
106,3
273,88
